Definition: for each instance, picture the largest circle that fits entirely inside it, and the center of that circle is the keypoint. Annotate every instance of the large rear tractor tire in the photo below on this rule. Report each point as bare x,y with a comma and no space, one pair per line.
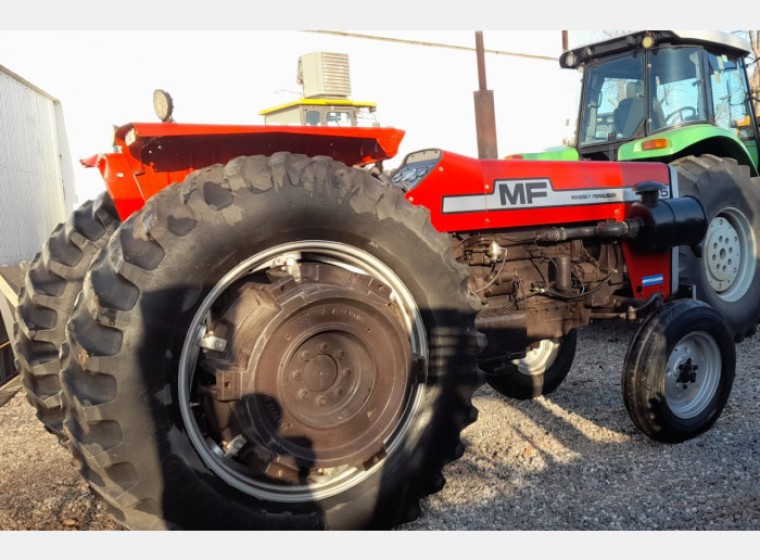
679,371
538,373
281,342
726,275
51,286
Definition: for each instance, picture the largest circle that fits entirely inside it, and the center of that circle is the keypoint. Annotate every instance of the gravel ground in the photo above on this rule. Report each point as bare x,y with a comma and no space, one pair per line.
571,461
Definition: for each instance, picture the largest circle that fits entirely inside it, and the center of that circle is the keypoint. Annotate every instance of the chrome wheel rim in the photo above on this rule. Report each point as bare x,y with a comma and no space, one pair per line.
220,453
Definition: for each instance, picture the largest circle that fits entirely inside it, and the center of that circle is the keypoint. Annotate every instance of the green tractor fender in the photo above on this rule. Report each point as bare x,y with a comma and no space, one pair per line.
692,140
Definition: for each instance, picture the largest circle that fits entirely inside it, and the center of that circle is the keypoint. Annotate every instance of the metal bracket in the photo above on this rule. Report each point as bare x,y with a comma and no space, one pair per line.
211,342
290,262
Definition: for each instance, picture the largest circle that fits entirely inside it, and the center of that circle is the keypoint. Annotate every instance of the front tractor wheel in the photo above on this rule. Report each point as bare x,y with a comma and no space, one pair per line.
277,343
540,372
679,371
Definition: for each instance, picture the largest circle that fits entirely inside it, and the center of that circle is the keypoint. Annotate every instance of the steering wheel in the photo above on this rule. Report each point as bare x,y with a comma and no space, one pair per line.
680,112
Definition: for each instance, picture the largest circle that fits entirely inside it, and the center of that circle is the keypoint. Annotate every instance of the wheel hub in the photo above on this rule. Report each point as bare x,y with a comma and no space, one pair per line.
334,359
322,384
537,360
724,254
728,249
692,374
687,373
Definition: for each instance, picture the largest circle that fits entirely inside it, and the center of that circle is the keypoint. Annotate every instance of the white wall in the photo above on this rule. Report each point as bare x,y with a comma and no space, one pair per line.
107,78
33,199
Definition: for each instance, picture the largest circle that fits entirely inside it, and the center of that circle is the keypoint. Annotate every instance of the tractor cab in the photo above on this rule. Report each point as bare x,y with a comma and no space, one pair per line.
658,95
325,80
322,112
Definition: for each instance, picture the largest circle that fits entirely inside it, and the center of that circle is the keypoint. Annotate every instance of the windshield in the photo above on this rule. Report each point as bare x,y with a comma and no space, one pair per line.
729,95
683,85
676,87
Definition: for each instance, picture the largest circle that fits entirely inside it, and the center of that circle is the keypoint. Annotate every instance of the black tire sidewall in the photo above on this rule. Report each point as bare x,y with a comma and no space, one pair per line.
193,264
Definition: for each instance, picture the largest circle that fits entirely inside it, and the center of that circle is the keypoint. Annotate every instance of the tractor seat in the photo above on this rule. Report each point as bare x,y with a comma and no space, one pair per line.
630,111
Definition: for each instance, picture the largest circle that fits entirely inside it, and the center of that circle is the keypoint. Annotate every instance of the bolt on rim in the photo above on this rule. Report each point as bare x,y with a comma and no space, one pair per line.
692,375
729,254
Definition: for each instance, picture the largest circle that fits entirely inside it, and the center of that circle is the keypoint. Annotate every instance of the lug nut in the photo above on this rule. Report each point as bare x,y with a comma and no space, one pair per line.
296,375
305,356
323,347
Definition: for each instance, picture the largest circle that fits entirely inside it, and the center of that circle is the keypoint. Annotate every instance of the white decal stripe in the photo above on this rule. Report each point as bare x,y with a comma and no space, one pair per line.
535,193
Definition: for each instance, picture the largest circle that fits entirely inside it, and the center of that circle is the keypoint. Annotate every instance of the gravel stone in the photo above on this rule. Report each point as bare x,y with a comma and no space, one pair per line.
566,462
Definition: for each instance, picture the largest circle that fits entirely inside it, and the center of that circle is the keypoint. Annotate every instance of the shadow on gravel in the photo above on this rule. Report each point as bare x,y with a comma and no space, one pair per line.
574,460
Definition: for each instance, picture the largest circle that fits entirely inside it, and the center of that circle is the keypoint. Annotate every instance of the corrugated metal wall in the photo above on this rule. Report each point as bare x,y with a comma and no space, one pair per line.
32,196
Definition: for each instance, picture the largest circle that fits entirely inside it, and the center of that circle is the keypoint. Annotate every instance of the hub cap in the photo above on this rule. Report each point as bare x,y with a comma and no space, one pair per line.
729,254
302,371
539,359
692,374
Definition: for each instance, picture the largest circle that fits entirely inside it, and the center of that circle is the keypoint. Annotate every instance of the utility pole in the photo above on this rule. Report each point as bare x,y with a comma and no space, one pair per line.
485,114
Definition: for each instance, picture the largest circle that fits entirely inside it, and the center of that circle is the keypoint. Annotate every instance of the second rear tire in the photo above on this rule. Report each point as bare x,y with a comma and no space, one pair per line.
52,285
726,275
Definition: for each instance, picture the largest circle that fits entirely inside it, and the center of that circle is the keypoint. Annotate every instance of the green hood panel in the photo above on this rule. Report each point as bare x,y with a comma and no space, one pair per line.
556,153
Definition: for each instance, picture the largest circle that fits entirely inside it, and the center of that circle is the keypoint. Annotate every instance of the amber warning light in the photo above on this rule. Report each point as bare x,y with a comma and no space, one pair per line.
655,144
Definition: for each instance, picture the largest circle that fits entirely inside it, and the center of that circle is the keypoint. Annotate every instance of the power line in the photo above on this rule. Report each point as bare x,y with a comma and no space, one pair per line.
428,44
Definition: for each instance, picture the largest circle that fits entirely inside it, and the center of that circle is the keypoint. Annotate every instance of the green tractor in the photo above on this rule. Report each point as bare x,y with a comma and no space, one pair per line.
661,96
682,98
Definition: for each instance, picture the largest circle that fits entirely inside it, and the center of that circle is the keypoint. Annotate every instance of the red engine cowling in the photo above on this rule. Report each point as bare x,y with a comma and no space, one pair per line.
471,195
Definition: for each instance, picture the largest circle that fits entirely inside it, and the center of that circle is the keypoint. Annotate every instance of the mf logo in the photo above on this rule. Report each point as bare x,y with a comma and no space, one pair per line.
533,193
521,193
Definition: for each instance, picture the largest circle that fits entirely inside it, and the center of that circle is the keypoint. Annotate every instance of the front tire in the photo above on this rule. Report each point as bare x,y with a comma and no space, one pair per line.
679,371
726,275
540,372
276,343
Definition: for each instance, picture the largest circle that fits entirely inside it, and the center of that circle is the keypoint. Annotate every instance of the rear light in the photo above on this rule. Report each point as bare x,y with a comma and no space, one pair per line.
655,144
515,156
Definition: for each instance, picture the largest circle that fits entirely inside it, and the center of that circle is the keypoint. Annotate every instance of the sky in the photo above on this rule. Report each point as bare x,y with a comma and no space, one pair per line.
105,78
225,65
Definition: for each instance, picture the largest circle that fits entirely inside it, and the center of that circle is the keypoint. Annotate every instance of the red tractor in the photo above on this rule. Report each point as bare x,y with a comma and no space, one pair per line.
256,327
